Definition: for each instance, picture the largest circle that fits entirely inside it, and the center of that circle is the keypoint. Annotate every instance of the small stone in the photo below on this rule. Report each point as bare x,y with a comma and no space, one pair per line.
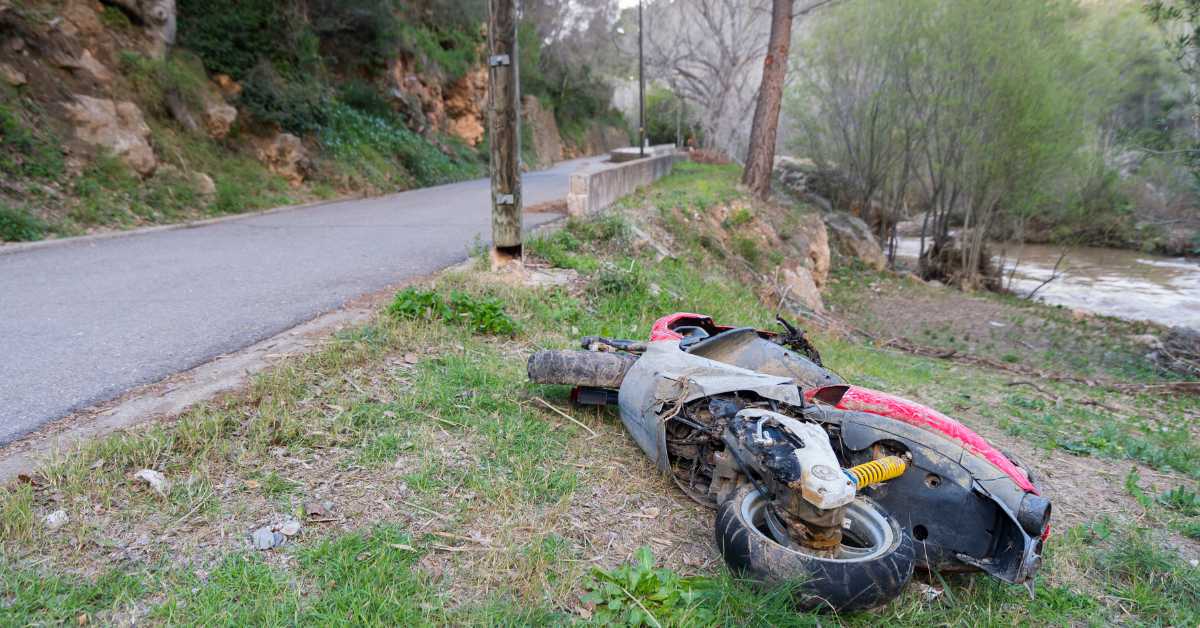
156,480
12,76
219,118
204,184
56,519
411,358
266,538
318,510
291,527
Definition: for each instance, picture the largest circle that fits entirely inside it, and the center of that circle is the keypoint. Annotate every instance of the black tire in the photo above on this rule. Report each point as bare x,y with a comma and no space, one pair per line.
863,577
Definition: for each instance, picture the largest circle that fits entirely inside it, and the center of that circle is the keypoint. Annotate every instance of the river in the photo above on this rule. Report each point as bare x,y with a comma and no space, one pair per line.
1114,282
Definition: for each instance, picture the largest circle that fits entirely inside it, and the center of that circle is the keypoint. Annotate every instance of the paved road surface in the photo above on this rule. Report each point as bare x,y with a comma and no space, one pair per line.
82,322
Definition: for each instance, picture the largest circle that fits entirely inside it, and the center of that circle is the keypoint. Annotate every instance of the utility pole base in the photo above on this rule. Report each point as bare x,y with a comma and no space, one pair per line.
506,257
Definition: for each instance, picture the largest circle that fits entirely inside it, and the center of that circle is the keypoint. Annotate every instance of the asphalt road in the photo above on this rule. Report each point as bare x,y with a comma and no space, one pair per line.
83,321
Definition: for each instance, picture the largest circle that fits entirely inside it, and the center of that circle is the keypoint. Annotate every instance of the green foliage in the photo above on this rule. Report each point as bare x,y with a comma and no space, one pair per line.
25,152
180,74
234,36
483,315
17,225
383,152
300,105
667,113
449,52
640,595
1180,499
357,34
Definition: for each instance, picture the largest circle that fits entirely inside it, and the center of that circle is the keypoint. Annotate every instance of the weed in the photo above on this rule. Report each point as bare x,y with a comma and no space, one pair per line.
640,595
17,522
1182,500
740,216
17,225
481,314
747,248
26,152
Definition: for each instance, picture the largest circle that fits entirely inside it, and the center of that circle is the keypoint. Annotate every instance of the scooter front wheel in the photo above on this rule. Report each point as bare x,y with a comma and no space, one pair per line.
871,566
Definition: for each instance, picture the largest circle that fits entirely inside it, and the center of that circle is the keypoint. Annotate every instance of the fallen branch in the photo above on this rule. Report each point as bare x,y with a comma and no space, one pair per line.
1054,274
566,416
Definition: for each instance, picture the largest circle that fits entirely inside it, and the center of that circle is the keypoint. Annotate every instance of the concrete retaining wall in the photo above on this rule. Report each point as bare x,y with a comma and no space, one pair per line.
597,187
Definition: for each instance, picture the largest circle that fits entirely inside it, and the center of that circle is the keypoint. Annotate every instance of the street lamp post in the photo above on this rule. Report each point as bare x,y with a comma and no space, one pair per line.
641,88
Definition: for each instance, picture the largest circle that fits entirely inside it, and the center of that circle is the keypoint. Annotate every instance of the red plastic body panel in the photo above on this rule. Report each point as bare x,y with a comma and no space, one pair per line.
664,328
882,404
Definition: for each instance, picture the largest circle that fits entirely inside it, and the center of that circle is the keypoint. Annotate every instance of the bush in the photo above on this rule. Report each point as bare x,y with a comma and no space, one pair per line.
234,36
181,73
299,106
385,149
19,226
448,51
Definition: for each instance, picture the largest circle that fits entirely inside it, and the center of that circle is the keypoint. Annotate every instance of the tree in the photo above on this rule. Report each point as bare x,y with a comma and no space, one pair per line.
760,160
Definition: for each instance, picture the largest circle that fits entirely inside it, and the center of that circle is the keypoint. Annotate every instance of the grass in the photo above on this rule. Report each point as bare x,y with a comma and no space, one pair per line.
460,498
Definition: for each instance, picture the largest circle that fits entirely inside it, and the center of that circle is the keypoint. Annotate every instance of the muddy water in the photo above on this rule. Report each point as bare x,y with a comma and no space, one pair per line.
1126,284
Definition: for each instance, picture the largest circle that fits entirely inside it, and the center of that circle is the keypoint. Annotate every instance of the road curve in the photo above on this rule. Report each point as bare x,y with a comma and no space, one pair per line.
83,321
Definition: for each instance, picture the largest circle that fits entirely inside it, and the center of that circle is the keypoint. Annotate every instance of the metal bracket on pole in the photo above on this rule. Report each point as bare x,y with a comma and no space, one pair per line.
505,199
499,60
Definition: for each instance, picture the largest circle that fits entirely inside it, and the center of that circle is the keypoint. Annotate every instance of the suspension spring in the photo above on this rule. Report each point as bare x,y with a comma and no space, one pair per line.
876,471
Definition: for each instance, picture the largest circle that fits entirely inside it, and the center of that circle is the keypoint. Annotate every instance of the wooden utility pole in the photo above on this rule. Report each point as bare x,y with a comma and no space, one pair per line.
504,129
761,160
641,85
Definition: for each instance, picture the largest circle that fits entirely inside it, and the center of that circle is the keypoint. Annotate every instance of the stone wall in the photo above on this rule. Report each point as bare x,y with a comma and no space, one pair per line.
598,186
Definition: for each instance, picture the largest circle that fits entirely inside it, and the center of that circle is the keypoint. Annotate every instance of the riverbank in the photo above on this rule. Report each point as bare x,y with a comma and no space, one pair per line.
1122,283
433,484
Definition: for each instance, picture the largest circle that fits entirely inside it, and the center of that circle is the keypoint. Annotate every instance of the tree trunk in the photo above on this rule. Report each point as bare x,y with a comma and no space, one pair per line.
761,158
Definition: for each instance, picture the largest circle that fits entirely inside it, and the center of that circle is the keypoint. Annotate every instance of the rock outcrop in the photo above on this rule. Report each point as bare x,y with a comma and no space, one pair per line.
115,126
853,238
466,106
547,143
12,76
286,156
158,17
219,118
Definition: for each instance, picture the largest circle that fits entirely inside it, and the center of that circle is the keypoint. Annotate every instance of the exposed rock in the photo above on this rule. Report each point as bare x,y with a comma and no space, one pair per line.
179,110
464,104
285,156
797,284
115,126
809,238
89,65
420,101
56,520
601,139
229,87
81,18
547,143
204,184
156,480
158,17
219,118
265,538
12,76
853,237
807,180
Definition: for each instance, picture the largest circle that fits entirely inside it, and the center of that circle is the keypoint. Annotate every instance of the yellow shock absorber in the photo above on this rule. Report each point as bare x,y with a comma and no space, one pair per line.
876,471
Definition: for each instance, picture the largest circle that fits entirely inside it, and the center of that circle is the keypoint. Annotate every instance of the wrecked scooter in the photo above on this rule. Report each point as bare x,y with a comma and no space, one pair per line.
838,488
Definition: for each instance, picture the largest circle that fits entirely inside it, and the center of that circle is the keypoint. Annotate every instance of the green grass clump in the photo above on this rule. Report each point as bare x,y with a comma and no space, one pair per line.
447,51
639,595
484,315
54,599
24,152
180,74
381,151
17,225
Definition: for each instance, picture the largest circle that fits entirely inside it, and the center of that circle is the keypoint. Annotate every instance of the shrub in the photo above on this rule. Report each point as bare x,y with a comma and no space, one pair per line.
19,226
234,36
483,315
299,106
375,142
448,51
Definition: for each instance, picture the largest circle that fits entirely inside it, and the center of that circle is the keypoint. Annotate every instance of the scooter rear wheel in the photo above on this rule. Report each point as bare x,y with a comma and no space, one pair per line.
870,568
